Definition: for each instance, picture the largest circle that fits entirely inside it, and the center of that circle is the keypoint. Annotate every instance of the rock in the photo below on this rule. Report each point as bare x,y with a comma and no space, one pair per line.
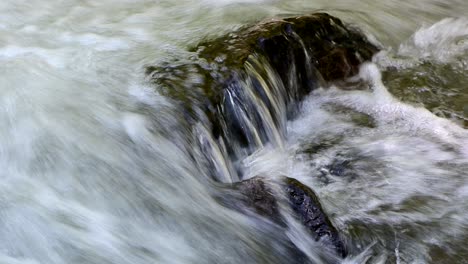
297,53
256,195
259,197
254,198
306,205
318,40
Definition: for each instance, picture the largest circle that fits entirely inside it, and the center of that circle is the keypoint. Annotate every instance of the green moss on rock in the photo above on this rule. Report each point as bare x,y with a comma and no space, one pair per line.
305,52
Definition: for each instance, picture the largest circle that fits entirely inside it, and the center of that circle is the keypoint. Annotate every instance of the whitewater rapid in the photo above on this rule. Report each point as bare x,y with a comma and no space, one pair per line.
97,168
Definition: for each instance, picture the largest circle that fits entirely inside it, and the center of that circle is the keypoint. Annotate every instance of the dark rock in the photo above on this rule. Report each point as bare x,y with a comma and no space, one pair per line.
334,50
256,195
304,52
255,199
306,205
259,197
249,197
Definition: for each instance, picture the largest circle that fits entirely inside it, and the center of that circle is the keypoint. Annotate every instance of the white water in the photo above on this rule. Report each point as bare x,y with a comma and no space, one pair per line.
96,167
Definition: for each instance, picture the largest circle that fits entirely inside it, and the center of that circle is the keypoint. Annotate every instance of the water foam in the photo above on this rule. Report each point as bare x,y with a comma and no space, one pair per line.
409,154
441,41
96,169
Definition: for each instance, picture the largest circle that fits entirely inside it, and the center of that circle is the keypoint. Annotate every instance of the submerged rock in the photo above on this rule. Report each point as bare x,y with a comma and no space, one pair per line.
281,60
256,195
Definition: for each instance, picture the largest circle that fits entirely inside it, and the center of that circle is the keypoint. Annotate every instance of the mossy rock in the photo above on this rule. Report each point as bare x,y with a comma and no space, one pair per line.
334,50
305,52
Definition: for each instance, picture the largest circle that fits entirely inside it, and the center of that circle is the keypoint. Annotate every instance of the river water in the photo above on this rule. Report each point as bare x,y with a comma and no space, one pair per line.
96,167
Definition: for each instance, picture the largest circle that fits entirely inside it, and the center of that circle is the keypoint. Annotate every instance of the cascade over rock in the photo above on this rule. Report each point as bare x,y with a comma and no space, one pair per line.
247,83
284,58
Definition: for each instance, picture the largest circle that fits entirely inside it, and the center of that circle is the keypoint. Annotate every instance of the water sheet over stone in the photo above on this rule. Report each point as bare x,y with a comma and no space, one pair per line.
242,87
257,195
261,70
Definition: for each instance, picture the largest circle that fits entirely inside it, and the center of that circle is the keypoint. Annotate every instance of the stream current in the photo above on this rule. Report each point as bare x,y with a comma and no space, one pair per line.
97,168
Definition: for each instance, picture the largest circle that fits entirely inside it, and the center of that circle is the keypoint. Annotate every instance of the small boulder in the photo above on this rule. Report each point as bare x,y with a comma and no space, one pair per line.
297,53
307,207
256,195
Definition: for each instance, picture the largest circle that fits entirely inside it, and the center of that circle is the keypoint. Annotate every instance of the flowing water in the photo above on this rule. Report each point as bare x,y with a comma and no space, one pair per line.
97,168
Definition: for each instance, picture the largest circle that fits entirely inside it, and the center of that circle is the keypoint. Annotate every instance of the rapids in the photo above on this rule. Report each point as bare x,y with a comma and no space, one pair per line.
97,167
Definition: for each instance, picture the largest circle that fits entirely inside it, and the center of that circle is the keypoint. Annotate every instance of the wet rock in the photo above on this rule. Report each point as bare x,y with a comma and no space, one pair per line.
255,194
303,53
318,40
342,168
259,197
254,198
307,206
